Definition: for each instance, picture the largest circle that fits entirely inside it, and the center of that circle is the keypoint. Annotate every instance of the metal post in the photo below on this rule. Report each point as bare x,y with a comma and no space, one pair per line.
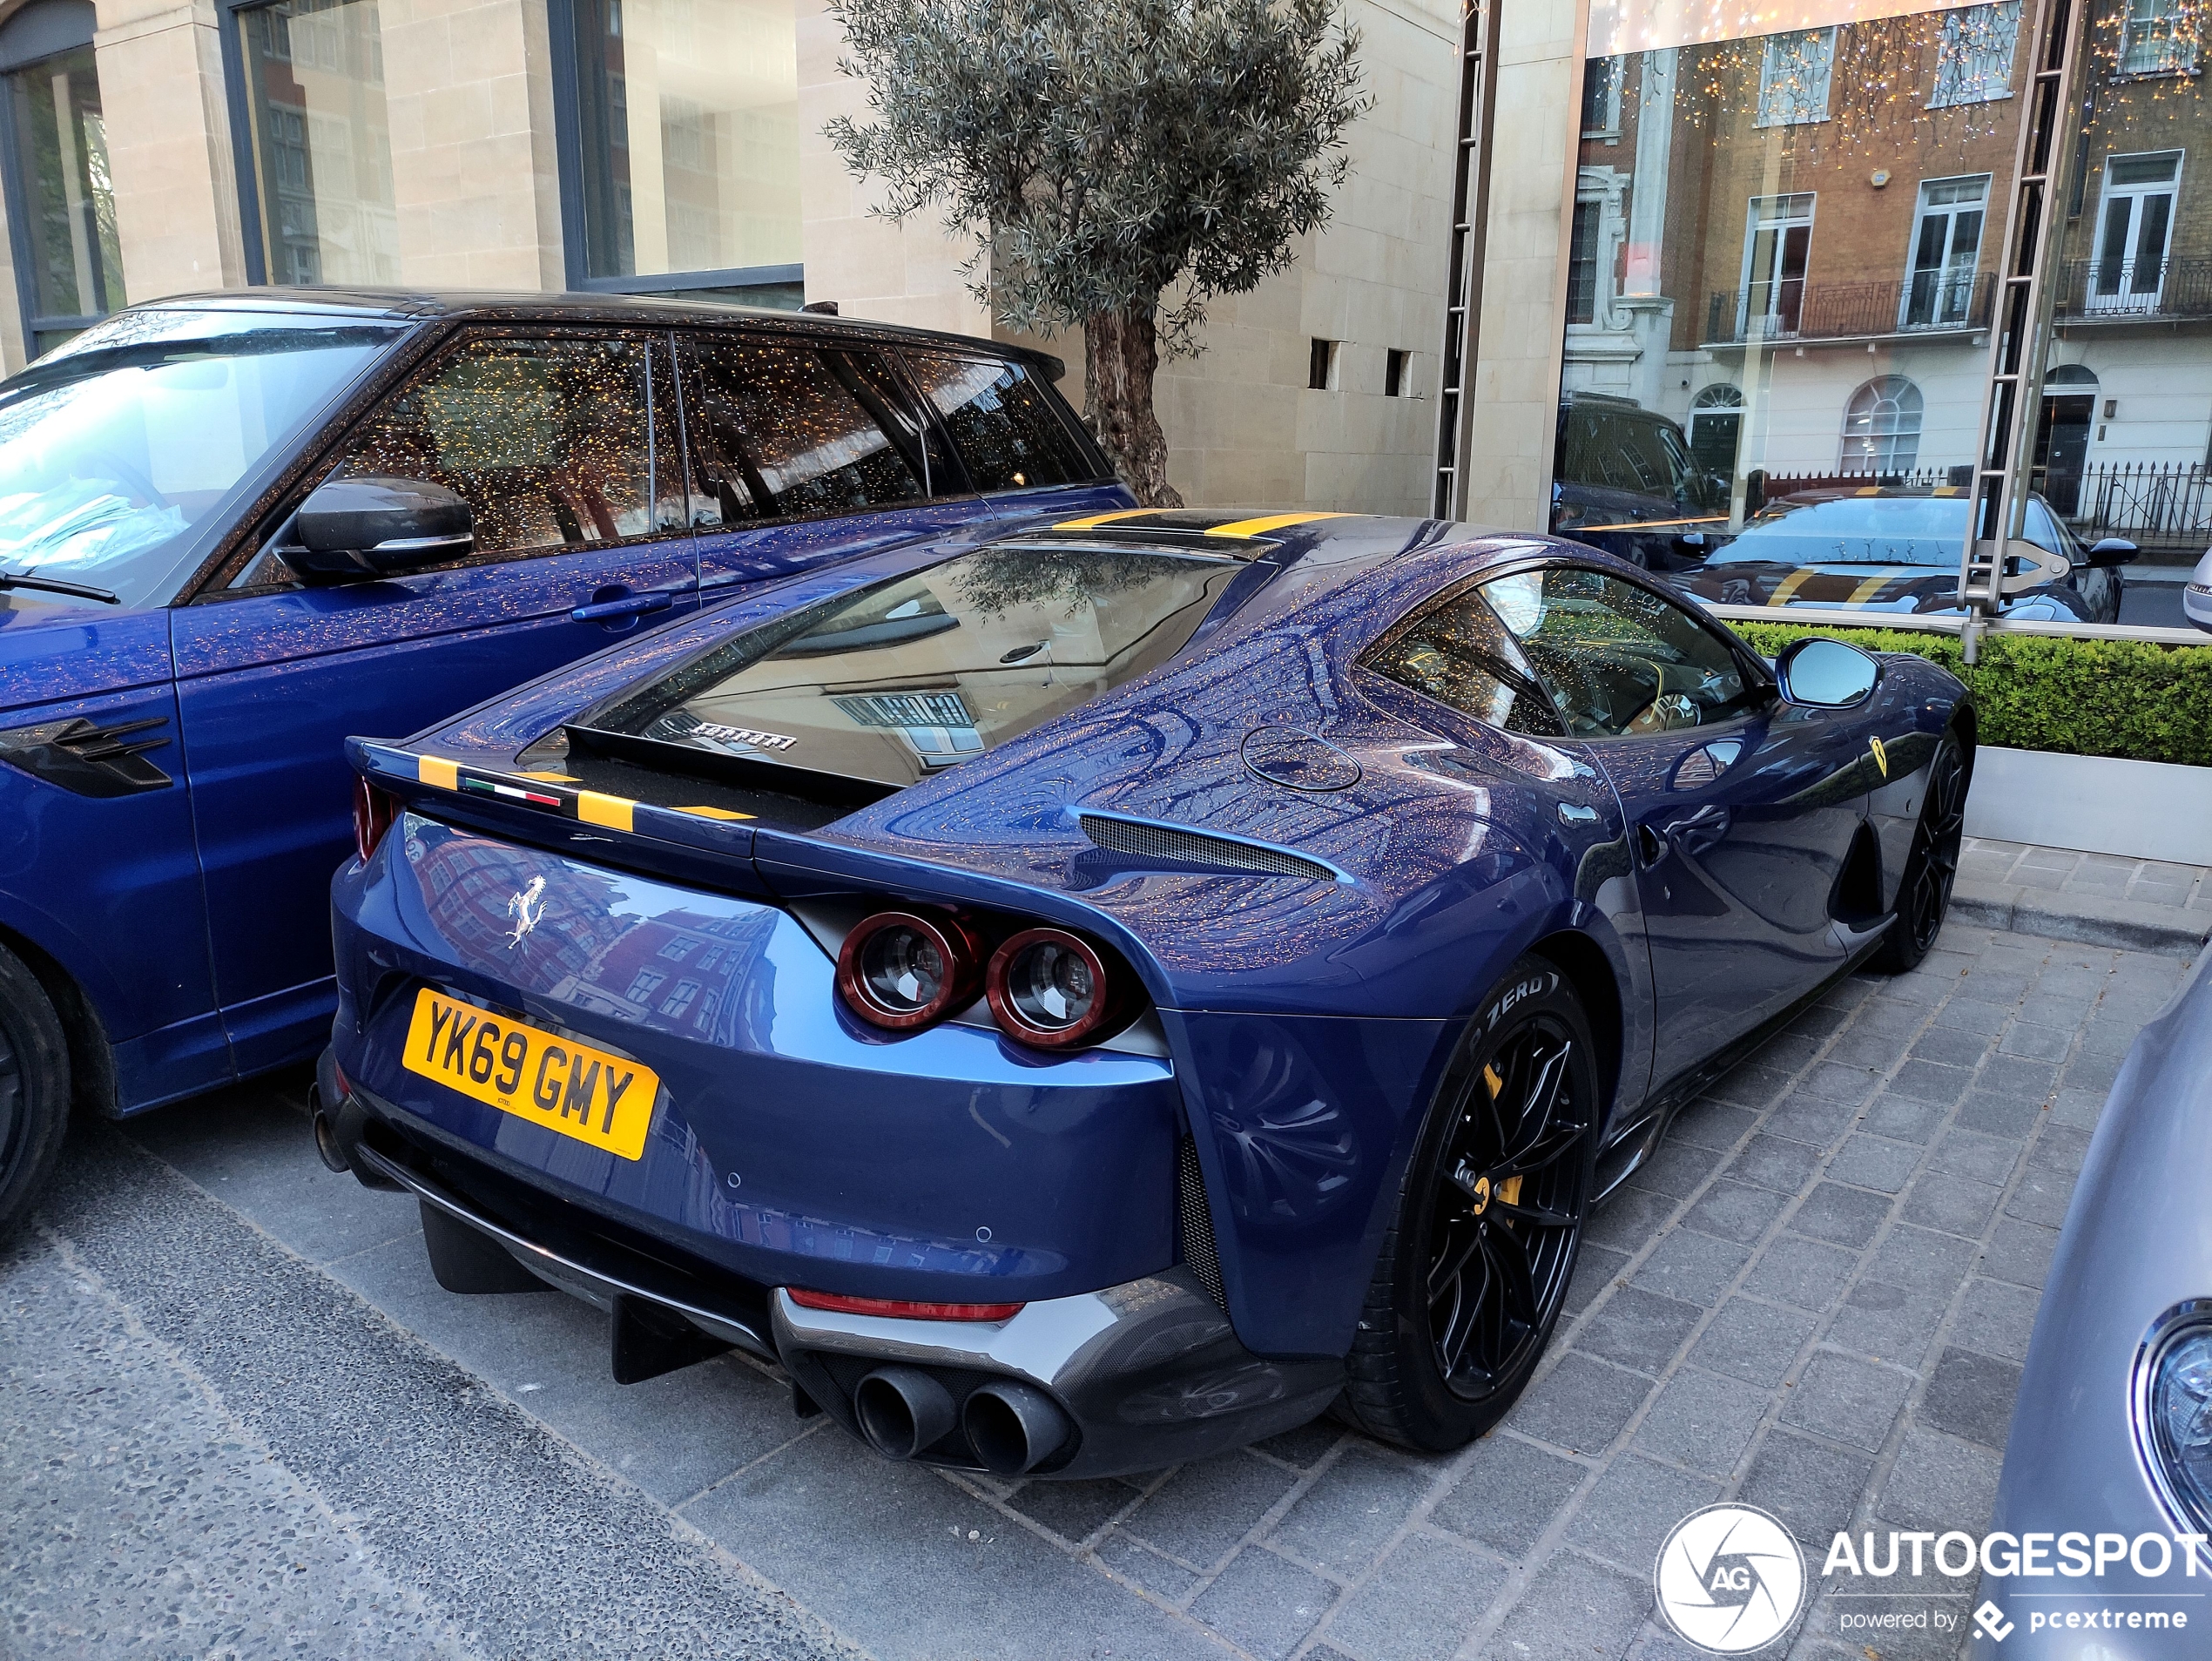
1463,284
2019,329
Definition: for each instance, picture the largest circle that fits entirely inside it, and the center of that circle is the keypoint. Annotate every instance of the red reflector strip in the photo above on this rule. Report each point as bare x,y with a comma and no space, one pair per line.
899,1308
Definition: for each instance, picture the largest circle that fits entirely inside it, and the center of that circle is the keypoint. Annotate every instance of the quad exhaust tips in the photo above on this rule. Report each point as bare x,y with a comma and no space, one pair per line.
1013,1429
902,1410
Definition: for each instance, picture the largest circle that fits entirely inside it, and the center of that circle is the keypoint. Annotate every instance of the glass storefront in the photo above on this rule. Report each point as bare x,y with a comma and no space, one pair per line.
686,135
70,270
1784,262
321,141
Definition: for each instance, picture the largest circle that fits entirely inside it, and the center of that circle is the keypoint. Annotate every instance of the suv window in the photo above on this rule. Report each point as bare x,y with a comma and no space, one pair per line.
1458,652
779,429
1006,430
552,441
1618,660
1620,450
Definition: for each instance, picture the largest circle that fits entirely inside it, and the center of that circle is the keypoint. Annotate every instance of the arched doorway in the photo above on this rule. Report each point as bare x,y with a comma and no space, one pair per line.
2063,435
1717,427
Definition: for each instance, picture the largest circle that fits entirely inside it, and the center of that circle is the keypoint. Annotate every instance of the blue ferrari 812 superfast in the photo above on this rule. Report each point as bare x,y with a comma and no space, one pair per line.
1085,999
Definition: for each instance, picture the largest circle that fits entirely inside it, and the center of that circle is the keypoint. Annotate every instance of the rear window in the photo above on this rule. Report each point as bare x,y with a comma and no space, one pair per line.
911,677
1011,436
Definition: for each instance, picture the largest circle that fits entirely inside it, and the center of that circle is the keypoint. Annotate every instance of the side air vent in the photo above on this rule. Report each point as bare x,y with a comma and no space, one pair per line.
1195,1222
1170,845
82,756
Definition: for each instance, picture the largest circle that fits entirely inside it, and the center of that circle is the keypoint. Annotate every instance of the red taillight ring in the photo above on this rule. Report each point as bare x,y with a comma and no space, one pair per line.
961,952
901,1308
1105,1001
374,811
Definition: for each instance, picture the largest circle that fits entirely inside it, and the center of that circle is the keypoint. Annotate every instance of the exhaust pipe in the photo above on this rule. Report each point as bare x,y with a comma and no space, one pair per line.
902,1411
327,1147
1013,1429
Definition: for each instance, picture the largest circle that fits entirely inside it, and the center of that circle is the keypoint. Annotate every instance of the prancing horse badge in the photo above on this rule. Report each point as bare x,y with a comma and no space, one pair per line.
1881,756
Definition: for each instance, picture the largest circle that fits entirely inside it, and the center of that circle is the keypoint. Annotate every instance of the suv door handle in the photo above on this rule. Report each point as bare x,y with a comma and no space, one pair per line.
629,605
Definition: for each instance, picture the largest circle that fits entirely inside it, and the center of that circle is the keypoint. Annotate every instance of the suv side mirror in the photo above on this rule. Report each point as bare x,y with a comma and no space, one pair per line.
350,530
2113,551
1822,674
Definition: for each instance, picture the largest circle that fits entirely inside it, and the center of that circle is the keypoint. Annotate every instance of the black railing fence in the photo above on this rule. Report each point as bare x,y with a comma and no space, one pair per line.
2161,506
2114,290
1791,309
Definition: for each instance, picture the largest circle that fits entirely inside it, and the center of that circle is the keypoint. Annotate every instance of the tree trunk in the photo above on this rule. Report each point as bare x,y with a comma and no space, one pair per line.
1121,353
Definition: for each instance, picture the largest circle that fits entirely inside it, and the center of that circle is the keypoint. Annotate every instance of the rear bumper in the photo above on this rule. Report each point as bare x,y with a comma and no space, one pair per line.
1149,1372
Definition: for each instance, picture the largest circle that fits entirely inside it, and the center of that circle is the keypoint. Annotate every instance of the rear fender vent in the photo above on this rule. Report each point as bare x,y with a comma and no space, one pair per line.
1195,1222
1171,845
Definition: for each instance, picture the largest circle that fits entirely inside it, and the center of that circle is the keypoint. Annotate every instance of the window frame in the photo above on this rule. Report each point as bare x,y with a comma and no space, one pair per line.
1763,115
330,446
2128,299
568,168
1923,211
53,31
2180,64
1990,88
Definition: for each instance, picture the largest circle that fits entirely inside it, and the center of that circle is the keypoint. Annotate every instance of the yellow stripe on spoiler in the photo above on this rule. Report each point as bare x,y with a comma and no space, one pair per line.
1242,528
616,813
1097,519
432,769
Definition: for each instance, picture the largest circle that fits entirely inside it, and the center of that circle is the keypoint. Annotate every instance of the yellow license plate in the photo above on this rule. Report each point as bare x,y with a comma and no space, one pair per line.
598,1099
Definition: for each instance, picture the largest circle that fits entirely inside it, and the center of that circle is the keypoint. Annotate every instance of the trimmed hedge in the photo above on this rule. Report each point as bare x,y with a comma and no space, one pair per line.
2119,698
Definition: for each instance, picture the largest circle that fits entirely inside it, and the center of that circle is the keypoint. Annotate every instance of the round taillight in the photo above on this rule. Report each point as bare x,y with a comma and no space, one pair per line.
374,811
1051,988
899,971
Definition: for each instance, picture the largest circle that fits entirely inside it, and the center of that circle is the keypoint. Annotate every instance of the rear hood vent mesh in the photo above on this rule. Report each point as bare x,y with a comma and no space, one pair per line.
1170,845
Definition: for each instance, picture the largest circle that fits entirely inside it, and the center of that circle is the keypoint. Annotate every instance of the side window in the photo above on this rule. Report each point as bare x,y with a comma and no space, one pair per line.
1458,653
1617,659
554,442
1002,422
779,429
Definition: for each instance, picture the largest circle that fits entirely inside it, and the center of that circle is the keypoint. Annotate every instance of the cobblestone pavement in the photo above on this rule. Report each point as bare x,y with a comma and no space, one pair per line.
2176,887
1816,1297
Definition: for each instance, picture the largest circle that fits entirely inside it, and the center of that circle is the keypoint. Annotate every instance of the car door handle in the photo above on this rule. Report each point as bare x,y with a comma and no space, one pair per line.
629,605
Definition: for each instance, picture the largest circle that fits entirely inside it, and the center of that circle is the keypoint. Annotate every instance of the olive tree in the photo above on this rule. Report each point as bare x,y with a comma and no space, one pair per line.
1117,163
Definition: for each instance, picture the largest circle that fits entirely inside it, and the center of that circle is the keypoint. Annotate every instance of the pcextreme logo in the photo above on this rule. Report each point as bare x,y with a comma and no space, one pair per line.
1729,1579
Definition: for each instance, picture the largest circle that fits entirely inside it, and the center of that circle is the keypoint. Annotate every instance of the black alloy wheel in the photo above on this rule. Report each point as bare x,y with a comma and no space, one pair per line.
1471,1282
34,1090
1932,869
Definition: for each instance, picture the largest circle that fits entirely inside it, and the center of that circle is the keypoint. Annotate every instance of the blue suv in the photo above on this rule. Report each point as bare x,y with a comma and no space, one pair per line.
234,529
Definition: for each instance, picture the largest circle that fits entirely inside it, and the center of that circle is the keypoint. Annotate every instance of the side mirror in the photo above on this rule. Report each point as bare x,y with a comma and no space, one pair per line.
1822,674
2113,551
350,530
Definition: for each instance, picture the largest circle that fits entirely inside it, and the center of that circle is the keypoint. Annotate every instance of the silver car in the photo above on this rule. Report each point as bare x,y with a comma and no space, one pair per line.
2109,1470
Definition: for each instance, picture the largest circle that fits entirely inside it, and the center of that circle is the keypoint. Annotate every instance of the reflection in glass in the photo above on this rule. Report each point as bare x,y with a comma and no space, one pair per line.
322,146
75,266
1788,269
923,672
688,119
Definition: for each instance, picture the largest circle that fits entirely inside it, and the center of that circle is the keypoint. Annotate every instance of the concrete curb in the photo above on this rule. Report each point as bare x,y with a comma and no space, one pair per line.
2088,919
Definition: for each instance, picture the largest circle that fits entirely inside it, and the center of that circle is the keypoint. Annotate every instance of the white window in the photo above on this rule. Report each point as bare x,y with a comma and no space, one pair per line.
1777,242
1793,78
1946,253
2161,38
1882,427
643,986
2127,271
1974,57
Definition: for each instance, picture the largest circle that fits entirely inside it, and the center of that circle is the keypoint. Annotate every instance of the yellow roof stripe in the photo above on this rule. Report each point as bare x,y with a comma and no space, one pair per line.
1867,590
614,812
1103,518
1790,585
713,813
434,770
1271,522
